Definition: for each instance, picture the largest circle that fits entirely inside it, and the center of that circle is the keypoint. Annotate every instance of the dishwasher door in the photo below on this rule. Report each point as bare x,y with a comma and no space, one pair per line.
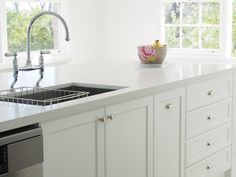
25,153
34,171
21,149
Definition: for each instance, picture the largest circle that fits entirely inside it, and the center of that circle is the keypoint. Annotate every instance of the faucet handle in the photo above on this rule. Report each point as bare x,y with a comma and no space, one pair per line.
11,54
15,67
45,52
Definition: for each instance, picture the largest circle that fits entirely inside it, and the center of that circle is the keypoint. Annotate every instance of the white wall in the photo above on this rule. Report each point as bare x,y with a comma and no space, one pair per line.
84,25
125,25
110,29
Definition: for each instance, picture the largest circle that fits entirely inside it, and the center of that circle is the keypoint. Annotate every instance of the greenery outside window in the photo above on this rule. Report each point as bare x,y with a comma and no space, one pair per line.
14,19
198,27
192,24
234,29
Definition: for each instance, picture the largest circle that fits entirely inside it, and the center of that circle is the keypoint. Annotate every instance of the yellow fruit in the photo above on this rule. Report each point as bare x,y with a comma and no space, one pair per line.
151,58
157,44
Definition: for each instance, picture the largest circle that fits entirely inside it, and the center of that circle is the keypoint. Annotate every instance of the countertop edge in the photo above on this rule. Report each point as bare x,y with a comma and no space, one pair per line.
107,99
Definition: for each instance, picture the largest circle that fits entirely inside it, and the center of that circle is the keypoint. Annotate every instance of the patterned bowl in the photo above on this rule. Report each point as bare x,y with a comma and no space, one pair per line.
150,54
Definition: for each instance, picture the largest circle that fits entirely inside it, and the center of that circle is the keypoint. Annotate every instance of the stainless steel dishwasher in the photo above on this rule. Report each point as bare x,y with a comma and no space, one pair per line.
21,152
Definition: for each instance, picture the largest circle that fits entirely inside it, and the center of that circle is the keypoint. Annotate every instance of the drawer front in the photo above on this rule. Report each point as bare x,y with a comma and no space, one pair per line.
208,92
208,118
203,146
212,166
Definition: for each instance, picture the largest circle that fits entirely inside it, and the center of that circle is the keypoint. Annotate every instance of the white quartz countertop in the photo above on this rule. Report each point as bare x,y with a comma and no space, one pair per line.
140,80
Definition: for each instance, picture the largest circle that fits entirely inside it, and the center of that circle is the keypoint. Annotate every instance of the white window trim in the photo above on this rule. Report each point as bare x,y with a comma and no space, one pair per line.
227,25
54,57
3,30
225,42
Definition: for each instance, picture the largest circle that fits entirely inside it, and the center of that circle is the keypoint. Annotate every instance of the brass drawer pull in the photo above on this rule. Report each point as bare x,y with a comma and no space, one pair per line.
210,93
102,119
210,143
169,106
209,167
210,117
110,117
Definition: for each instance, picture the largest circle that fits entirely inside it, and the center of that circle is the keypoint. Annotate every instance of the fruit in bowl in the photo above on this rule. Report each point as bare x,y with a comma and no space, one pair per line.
152,54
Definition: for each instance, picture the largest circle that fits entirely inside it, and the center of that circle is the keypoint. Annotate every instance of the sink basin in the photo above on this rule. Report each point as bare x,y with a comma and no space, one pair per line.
53,95
92,89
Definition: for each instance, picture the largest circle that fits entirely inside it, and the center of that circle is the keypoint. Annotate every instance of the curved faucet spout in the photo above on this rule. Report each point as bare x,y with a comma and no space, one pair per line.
29,63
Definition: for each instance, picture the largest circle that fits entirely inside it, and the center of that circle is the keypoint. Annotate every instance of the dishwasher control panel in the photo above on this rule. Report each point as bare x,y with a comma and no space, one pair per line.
3,160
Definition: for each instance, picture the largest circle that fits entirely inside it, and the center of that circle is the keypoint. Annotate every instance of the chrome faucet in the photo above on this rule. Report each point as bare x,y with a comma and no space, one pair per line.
29,62
29,66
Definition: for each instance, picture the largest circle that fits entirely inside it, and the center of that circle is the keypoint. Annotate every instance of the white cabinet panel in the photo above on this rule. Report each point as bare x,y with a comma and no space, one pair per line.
71,147
169,146
95,144
129,139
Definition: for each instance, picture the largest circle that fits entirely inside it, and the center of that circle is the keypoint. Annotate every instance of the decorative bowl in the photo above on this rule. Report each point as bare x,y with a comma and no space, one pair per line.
150,54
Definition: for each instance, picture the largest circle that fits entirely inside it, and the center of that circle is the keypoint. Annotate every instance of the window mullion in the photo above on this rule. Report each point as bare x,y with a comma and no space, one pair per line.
181,25
226,27
192,25
3,30
200,25
4,25
1,35
159,23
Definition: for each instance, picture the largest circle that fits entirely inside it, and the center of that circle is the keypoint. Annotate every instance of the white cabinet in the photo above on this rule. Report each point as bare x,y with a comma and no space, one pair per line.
70,146
154,136
169,112
207,118
204,145
208,128
129,139
212,166
208,92
97,144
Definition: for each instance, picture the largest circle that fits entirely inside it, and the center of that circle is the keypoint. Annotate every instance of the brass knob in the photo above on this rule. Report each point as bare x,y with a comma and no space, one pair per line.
210,117
210,144
101,119
208,167
110,117
169,106
210,93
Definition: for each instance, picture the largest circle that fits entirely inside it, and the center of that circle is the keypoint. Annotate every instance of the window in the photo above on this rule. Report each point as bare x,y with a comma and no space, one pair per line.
15,17
192,24
234,29
206,27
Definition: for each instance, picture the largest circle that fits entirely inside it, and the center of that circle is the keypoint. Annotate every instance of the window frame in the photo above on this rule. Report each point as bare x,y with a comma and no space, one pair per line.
54,57
3,29
225,29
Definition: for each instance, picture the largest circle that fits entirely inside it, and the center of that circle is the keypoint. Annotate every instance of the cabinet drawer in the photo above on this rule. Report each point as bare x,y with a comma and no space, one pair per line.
202,146
212,166
208,92
208,118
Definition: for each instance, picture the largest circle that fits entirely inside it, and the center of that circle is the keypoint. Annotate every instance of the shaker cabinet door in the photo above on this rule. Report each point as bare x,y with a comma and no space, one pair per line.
168,142
71,146
129,139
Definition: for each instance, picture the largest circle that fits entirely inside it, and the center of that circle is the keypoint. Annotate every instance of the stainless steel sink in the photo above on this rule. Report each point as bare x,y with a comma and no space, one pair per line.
53,95
93,89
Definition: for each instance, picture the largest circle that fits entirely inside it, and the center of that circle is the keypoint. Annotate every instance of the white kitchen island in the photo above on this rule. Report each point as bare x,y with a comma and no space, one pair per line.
170,121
